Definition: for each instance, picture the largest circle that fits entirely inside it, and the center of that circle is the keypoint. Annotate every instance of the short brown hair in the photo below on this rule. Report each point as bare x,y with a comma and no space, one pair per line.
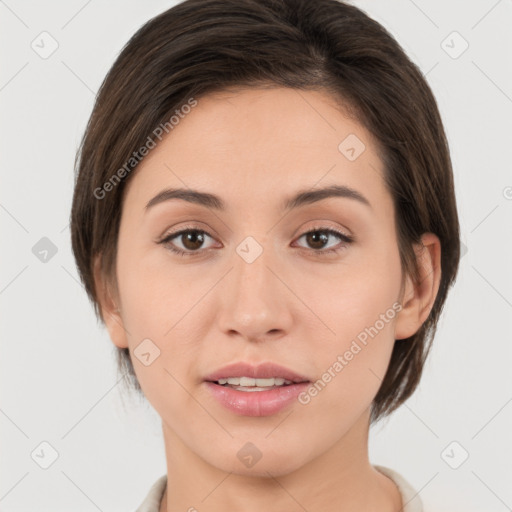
203,46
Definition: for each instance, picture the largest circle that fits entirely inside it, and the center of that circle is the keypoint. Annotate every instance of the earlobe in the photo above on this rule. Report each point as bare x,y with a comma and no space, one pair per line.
418,298
110,311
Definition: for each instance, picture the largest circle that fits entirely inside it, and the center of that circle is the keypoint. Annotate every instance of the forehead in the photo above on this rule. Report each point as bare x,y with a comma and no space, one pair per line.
249,120
252,144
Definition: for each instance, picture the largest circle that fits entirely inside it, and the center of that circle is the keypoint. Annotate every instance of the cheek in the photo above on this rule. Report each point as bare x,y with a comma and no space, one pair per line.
355,295
155,291
360,306
352,364
161,303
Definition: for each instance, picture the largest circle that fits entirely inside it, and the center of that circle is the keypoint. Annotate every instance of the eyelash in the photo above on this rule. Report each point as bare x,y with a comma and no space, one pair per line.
345,238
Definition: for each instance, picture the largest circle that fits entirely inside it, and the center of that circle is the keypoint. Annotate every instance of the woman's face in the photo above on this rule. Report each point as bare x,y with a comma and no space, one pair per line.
262,280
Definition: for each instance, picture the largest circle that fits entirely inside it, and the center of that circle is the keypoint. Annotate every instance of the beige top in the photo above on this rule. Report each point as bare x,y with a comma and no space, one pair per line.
410,499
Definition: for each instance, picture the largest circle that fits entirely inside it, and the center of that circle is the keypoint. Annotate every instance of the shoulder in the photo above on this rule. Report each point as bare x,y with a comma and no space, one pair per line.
410,497
152,500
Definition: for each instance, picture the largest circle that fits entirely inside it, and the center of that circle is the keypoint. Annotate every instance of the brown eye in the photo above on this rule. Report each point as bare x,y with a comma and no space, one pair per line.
192,241
317,239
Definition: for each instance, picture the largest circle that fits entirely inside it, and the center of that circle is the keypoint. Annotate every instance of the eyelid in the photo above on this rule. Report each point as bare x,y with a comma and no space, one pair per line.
346,239
168,236
194,226
325,226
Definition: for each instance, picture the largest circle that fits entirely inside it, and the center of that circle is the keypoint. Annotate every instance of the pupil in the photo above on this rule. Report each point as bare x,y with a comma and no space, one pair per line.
194,237
316,236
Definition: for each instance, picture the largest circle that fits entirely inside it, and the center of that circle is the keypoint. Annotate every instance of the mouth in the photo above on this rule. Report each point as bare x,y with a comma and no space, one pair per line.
250,384
254,378
250,390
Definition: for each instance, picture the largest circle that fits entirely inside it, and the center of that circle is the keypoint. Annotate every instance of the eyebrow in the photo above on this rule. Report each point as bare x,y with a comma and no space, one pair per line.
301,198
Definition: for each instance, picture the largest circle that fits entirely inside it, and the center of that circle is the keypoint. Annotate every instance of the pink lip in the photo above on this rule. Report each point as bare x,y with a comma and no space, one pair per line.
256,403
261,371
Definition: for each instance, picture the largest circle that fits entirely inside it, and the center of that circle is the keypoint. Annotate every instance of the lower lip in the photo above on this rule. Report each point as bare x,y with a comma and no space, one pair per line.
256,403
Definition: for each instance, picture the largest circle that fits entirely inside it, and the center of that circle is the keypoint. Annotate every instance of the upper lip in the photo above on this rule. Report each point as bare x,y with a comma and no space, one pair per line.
260,371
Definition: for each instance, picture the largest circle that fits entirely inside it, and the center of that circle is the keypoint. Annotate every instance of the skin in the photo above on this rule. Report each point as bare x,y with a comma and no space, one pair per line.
254,148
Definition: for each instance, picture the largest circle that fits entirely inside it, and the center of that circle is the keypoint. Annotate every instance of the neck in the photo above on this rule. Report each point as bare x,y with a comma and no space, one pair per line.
341,478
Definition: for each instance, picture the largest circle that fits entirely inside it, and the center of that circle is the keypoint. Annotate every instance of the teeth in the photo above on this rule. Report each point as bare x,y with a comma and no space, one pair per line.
249,381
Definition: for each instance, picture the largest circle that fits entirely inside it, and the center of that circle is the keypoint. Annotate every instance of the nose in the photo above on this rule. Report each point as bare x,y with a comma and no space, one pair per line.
254,300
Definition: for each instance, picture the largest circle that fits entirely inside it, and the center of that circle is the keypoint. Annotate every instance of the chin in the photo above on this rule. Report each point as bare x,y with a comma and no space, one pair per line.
258,459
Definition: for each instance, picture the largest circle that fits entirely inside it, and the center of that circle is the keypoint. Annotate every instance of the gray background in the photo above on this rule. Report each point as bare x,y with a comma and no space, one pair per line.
58,379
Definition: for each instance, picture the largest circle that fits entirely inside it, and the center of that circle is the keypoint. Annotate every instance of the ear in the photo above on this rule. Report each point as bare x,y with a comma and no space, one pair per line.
418,298
110,308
